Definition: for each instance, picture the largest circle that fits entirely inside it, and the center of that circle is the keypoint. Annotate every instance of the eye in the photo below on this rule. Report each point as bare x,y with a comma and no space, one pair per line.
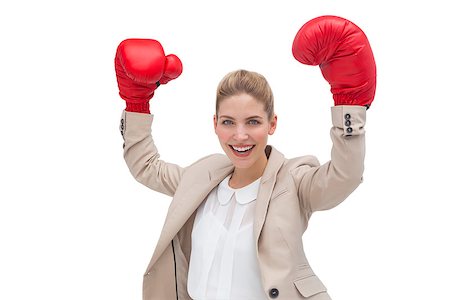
254,122
227,122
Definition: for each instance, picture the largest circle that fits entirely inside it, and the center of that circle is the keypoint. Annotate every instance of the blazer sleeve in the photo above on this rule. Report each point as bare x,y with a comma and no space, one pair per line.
142,157
326,186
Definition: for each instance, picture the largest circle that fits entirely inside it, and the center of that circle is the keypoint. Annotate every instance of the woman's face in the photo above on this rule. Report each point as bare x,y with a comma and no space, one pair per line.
243,127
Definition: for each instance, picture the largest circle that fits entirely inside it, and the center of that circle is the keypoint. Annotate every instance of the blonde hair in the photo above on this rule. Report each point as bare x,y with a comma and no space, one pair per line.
246,82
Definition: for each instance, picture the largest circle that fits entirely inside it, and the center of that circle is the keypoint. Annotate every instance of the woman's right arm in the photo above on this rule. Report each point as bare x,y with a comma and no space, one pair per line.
141,67
142,157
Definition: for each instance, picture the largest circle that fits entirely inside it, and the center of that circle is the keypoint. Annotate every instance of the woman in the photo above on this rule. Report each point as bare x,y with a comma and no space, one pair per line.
233,229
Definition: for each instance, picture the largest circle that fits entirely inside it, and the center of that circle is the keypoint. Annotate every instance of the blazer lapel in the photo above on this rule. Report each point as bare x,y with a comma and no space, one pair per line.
268,180
184,204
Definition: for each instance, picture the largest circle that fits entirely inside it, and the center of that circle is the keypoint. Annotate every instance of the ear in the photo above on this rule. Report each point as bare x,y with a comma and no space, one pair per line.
215,123
273,124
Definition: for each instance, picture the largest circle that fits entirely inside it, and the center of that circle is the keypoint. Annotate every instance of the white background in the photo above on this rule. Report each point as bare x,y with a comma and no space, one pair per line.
74,224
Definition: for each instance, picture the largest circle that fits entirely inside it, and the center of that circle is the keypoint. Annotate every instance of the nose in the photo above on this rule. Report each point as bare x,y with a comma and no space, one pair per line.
241,133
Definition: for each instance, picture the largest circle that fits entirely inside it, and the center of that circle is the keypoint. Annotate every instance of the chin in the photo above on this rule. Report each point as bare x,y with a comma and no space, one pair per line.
242,165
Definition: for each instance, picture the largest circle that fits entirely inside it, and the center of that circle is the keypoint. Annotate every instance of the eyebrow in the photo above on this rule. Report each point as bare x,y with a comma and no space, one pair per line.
229,117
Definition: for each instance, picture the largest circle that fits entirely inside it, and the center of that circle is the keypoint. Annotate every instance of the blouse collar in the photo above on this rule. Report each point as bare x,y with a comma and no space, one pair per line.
243,195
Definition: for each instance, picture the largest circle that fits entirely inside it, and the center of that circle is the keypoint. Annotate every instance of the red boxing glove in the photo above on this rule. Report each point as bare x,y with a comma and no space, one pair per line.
172,69
343,53
141,66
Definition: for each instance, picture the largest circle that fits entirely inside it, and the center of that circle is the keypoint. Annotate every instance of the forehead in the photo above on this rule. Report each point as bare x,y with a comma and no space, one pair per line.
241,105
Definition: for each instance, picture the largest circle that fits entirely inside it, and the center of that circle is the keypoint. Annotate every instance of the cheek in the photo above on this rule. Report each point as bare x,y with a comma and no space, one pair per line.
260,136
223,135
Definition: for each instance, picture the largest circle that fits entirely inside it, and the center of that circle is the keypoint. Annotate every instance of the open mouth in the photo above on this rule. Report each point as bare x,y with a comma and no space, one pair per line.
242,150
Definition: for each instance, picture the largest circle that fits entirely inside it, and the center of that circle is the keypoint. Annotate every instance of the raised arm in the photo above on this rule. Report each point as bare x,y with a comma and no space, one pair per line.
344,55
141,67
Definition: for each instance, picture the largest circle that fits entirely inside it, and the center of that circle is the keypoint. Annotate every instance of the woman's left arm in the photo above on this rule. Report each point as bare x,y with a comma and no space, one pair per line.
328,185
343,53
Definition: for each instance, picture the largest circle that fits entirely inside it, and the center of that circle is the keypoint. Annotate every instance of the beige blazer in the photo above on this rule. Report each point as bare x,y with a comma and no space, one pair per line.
290,191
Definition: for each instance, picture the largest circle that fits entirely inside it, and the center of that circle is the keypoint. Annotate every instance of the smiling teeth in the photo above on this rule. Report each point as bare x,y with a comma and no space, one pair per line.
242,149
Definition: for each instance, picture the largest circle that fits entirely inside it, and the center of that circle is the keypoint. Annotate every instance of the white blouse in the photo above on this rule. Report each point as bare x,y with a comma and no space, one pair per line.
223,263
